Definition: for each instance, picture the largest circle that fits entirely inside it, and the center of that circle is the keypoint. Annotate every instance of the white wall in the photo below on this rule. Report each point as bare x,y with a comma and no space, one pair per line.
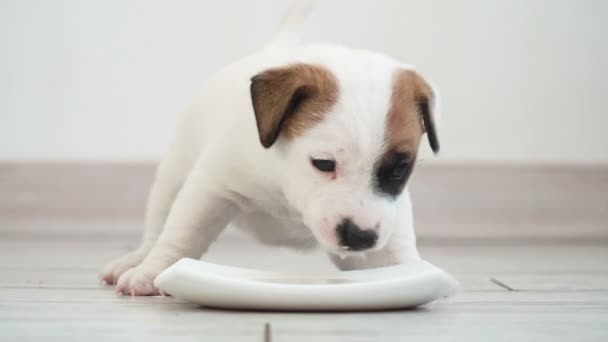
522,80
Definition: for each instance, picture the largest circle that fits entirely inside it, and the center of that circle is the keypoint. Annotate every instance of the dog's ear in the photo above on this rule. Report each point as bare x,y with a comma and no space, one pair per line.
427,107
426,101
291,99
411,90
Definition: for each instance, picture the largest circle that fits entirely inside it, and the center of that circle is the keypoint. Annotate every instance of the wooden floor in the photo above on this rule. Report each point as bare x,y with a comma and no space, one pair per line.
529,244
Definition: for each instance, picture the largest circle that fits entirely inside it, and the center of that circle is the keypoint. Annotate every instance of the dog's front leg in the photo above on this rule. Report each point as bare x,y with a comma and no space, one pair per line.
196,219
169,180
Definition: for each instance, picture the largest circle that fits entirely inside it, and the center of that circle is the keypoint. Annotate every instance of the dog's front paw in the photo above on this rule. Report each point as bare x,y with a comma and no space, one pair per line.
116,268
138,281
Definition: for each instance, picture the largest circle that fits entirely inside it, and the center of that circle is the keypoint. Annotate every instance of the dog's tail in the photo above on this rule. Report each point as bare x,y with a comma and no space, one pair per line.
288,32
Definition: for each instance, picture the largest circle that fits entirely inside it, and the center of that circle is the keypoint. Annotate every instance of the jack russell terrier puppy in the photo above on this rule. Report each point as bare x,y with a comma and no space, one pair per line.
297,146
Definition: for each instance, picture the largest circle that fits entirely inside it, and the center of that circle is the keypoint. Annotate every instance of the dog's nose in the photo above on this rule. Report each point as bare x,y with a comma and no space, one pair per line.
353,238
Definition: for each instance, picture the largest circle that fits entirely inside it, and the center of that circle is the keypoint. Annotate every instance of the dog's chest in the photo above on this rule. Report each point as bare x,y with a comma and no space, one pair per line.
266,215
275,231
275,224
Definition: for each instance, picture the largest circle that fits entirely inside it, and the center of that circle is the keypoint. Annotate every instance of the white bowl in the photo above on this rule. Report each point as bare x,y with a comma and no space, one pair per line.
402,286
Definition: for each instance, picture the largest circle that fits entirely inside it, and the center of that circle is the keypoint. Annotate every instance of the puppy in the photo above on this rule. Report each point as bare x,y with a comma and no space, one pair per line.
298,146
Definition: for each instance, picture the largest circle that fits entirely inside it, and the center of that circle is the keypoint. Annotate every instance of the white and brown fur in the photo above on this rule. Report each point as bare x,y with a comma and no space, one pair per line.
242,156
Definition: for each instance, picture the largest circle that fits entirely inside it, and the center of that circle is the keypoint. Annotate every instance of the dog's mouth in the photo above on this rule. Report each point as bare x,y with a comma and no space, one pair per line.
347,251
344,254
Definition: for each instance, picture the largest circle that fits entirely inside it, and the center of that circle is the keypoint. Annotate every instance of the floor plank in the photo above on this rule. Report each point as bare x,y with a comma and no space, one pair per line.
561,281
497,316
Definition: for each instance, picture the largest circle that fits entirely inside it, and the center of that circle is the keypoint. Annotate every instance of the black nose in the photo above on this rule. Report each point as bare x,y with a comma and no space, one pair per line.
354,238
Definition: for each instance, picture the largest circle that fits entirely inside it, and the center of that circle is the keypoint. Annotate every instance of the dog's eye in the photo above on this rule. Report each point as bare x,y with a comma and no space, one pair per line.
324,165
399,170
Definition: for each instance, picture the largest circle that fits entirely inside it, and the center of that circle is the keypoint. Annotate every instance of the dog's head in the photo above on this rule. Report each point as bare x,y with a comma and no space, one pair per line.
348,144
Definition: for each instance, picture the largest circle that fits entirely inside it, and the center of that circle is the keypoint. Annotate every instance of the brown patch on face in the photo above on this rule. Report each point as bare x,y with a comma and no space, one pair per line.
408,117
291,99
410,112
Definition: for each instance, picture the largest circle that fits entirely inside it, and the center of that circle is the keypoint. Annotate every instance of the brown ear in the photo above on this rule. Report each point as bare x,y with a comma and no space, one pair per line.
410,86
426,106
425,99
291,99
